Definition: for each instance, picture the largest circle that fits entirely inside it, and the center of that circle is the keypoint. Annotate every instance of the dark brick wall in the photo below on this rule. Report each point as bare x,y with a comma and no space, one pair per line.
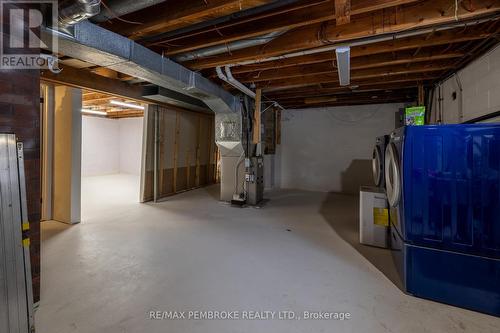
20,114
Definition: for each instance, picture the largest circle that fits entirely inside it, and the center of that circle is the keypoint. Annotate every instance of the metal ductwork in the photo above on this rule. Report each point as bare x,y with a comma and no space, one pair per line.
237,45
168,96
117,8
102,47
72,12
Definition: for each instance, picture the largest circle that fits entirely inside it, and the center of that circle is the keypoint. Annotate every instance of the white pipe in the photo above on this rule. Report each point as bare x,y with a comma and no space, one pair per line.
221,75
228,78
237,83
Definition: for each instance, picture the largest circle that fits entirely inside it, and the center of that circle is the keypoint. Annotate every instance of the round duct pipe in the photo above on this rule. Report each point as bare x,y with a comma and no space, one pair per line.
237,45
72,12
117,8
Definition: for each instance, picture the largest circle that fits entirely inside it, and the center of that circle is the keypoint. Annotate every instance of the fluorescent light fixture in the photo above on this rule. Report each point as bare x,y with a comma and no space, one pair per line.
127,105
344,65
98,113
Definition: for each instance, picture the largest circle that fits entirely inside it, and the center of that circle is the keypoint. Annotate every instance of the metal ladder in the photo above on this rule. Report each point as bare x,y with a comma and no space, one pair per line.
16,294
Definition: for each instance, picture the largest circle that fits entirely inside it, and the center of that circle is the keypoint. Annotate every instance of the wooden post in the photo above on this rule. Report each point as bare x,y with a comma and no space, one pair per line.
211,151
278,126
198,143
176,149
421,94
188,170
342,11
256,118
161,153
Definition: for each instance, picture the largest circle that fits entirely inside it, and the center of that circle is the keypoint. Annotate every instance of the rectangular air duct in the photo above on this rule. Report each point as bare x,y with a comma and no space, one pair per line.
344,65
172,97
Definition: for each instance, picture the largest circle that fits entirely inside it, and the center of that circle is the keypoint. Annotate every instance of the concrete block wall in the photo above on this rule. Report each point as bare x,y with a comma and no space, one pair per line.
330,149
20,114
472,93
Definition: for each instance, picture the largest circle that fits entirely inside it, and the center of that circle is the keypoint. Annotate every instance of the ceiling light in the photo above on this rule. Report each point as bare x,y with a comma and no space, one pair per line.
344,65
127,105
99,113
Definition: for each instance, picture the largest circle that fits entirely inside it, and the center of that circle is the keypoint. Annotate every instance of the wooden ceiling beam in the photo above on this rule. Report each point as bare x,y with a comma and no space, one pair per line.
440,38
342,12
419,15
241,28
125,114
92,82
411,77
382,60
314,91
349,96
349,102
172,15
93,96
102,101
291,17
375,73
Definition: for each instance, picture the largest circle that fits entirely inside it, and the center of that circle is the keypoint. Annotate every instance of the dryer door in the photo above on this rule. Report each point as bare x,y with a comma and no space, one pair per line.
392,175
377,165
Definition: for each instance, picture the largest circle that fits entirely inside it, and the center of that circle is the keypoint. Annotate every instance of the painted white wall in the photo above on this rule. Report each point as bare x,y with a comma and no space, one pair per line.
67,154
480,95
100,146
329,149
130,145
111,146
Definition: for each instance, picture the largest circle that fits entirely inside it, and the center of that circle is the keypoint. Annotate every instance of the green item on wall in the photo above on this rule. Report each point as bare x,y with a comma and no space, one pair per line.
415,115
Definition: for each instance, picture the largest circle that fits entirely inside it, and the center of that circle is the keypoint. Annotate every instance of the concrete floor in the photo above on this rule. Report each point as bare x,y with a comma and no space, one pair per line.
192,252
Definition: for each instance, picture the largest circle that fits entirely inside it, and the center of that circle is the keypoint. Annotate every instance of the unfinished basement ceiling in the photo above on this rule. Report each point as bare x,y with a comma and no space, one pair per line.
287,48
109,106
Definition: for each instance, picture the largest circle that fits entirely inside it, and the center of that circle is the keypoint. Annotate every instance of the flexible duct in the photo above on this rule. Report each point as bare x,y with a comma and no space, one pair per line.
117,8
72,12
237,45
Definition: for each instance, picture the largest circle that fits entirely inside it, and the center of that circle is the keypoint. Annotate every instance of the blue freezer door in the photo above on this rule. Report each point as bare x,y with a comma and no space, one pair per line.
452,188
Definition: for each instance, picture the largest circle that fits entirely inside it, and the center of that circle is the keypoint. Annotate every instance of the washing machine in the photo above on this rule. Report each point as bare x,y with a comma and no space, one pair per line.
378,160
443,189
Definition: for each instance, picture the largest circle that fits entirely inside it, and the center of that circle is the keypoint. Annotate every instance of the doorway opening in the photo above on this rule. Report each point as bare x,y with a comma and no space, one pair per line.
112,136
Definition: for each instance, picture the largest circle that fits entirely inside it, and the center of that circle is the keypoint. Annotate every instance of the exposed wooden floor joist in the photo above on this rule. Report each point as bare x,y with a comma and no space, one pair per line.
444,35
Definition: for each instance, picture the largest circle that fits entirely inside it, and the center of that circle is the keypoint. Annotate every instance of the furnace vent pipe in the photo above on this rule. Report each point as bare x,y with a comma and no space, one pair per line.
229,78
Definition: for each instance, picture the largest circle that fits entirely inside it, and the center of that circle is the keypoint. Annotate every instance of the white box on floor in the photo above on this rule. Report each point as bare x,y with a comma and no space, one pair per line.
373,217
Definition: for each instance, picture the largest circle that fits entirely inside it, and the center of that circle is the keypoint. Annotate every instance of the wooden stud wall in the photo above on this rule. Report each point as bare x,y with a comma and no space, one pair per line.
185,152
